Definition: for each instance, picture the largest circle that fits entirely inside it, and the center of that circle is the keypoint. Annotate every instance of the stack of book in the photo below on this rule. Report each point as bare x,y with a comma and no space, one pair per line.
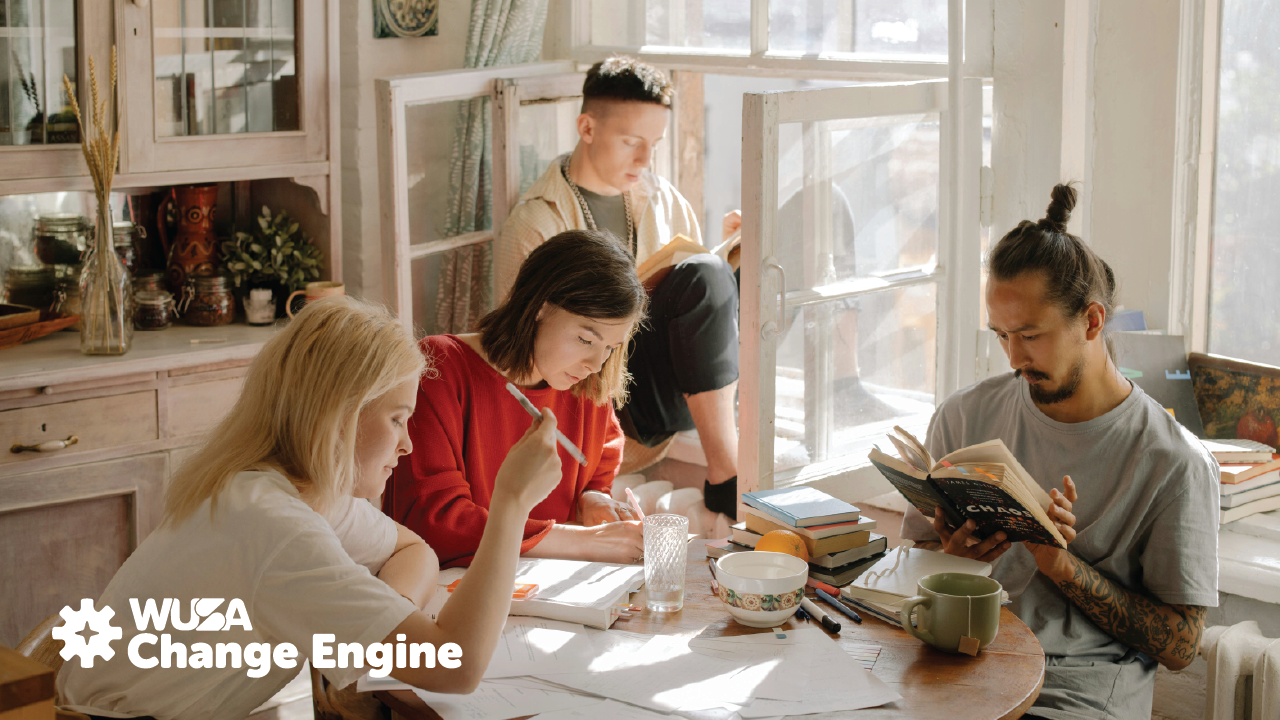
839,540
1250,478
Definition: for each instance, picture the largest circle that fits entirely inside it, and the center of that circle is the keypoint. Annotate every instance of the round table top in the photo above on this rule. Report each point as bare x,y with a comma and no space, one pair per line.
1001,682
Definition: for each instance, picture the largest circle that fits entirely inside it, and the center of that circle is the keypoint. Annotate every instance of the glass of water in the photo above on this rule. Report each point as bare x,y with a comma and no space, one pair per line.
666,541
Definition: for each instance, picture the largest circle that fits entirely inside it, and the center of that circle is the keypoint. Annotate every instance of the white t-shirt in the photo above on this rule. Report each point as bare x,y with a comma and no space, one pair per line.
286,563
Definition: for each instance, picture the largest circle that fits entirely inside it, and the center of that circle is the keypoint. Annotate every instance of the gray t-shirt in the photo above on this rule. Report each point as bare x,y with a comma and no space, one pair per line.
1146,517
610,214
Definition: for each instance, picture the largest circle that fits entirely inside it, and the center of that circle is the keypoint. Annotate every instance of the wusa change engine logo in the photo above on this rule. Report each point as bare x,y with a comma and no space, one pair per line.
147,650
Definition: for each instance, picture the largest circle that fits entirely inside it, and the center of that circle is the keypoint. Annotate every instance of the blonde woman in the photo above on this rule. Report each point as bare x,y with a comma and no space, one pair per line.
271,513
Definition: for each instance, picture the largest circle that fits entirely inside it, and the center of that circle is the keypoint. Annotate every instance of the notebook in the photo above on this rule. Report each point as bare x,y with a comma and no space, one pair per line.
801,506
568,590
896,575
1239,451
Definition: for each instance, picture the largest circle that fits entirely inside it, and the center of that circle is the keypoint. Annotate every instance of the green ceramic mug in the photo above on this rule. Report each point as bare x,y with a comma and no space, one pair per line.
951,606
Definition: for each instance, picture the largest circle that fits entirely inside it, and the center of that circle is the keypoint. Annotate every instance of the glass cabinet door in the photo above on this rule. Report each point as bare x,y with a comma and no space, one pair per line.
37,47
40,42
230,84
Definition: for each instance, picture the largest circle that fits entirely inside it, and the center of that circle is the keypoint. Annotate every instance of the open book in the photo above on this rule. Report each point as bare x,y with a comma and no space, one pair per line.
568,590
983,482
655,269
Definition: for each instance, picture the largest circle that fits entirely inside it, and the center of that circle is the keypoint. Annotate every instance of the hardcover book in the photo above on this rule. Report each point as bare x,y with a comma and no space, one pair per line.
801,506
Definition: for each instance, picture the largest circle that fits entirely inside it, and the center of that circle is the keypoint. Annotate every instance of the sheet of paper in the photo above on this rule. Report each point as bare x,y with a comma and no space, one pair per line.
837,682
667,675
534,645
604,709
779,666
492,701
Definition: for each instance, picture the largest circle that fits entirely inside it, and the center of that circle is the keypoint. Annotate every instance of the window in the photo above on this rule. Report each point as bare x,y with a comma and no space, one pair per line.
1244,255
851,272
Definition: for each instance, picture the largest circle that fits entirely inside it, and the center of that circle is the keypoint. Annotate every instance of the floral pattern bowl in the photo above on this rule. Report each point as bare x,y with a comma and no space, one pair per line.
760,589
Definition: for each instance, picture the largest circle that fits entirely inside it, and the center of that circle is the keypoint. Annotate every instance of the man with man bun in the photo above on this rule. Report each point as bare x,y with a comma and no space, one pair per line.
1138,504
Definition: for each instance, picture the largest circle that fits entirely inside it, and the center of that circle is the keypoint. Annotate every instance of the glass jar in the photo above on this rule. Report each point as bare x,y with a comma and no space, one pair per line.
30,285
66,294
154,309
149,280
125,236
207,300
61,238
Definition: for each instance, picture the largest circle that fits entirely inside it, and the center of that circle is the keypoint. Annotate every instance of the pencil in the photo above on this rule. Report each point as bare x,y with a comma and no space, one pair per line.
533,412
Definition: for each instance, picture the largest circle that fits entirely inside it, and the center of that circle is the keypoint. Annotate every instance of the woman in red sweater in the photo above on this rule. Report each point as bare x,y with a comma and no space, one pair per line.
562,337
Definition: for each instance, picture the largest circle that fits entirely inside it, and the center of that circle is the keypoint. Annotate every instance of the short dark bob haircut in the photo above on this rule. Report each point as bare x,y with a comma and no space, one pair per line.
584,272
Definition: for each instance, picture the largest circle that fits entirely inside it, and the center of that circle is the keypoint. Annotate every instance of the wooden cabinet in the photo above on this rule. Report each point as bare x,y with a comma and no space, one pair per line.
66,531
70,517
209,91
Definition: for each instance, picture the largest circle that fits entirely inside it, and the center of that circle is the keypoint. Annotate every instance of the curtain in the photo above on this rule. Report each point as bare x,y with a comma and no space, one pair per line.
502,32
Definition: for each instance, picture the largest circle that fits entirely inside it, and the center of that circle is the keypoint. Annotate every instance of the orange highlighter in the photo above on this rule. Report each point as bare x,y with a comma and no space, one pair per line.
522,591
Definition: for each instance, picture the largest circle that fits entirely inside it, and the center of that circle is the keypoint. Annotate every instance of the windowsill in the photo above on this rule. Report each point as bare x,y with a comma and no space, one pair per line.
1249,558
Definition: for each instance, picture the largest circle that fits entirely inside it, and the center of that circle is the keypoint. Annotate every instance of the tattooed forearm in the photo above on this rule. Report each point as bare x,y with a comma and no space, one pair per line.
1168,633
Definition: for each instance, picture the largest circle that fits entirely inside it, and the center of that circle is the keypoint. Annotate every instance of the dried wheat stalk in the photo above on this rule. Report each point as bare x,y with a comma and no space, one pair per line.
101,149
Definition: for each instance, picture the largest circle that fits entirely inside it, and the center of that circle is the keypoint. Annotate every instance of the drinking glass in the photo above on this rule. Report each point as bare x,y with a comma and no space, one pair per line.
666,539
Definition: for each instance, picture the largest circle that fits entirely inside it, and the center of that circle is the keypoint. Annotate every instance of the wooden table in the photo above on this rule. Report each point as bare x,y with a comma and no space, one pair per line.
1002,682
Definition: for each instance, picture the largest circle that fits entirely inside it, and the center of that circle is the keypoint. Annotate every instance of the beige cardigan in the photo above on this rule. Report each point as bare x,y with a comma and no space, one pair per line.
549,207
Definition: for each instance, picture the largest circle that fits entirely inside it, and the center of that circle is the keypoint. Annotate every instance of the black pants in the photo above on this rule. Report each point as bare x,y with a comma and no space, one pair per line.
688,345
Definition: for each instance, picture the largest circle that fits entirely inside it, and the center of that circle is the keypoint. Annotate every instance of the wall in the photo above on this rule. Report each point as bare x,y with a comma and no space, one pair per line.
364,59
1087,90
1134,95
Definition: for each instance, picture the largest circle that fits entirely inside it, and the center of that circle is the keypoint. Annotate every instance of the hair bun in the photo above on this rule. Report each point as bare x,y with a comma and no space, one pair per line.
1062,202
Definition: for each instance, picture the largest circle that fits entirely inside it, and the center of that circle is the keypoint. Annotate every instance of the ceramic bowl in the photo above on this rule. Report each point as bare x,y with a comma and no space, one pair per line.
761,589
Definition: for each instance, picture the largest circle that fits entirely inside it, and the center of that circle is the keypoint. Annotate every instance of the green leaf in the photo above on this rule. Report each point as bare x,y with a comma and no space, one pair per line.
257,265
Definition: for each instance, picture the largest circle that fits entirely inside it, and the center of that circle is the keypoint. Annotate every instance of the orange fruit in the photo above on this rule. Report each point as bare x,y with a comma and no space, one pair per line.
783,541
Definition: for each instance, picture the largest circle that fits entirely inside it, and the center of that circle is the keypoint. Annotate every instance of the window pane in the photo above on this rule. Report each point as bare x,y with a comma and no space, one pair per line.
719,24
438,206
224,66
856,198
849,370
898,28
37,46
1245,255
547,130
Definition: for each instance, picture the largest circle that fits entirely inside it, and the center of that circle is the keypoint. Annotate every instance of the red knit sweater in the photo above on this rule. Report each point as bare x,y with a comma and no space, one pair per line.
463,427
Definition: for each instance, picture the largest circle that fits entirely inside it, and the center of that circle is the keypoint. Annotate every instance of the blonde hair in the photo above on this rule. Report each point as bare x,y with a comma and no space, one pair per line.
300,404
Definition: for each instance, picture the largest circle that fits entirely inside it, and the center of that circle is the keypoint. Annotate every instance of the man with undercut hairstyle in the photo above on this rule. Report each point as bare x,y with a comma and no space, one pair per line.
1138,504
684,360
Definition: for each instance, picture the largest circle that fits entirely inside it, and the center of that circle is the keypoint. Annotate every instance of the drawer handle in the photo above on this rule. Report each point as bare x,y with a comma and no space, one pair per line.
47,446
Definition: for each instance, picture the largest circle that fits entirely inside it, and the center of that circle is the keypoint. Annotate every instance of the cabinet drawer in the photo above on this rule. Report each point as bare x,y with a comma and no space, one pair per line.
197,407
105,422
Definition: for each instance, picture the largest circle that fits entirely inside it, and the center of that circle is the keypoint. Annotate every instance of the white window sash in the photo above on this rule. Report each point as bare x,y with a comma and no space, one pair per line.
394,96
956,271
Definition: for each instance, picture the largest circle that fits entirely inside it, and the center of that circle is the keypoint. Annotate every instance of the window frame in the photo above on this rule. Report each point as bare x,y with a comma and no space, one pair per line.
759,60
764,302
502,85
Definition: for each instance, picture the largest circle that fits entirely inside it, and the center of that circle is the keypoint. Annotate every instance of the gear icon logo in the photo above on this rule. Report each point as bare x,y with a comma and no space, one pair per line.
99,621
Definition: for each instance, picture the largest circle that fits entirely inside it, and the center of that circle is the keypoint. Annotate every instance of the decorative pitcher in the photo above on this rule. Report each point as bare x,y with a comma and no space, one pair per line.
194,247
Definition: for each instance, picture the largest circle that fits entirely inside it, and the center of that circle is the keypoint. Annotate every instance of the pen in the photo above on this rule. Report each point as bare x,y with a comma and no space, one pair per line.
820,615
834,601
533,412
635,504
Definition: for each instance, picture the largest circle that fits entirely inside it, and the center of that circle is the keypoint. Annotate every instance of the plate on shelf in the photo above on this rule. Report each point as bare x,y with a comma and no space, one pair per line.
12,316
49,323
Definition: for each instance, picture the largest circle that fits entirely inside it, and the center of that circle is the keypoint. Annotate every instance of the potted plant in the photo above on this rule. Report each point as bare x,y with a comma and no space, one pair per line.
279,256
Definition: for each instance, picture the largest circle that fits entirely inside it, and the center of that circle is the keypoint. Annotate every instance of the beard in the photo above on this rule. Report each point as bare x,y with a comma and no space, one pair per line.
1066,388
